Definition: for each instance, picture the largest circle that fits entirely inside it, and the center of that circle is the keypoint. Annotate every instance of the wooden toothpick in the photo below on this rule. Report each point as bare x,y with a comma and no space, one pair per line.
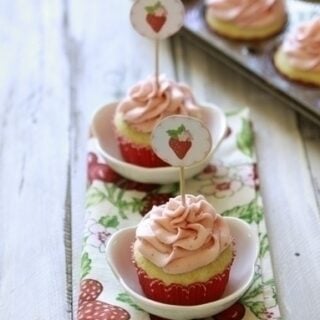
182,186
157,62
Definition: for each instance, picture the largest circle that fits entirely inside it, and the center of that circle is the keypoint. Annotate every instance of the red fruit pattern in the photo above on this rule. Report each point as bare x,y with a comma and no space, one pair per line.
235,312
90,290
92,309
180,141
156,16
156,23
153,199
210,169
100,171
180,148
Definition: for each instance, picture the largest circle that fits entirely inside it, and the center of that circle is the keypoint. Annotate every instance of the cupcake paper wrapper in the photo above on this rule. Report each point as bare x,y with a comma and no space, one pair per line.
193,294
142,156
230,183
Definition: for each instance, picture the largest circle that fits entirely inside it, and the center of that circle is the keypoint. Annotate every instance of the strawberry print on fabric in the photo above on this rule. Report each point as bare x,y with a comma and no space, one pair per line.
92,309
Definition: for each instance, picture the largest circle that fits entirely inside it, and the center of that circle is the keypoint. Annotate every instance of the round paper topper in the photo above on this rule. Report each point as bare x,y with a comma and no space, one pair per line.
157,19
181,141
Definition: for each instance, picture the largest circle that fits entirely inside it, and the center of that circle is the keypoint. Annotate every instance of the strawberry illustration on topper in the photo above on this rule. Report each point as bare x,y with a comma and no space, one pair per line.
181,141
156,16
157,19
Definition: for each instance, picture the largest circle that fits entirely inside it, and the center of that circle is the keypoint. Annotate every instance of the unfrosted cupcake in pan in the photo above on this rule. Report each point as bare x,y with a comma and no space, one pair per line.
146,104
246,19
298,57
183,254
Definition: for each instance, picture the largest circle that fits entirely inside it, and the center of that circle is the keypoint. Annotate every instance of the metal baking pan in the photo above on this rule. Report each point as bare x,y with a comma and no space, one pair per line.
254,59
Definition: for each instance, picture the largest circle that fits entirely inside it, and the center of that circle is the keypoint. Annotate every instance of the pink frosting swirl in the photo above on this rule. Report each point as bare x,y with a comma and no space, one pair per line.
181,239
148,103
302,46
250,13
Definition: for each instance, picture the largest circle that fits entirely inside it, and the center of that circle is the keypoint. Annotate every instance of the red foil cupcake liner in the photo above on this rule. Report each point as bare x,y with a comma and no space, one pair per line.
193,294
141,156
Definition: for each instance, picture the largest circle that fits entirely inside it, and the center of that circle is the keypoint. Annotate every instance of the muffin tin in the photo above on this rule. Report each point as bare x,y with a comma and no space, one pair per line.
254,59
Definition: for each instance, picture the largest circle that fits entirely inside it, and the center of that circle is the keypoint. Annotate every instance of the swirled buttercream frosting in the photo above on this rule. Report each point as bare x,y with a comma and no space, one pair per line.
180,238
148,102
247,13
302,46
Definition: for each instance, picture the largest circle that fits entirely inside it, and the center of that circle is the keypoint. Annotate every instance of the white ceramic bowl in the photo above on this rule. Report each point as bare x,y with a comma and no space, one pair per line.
107,145
119,254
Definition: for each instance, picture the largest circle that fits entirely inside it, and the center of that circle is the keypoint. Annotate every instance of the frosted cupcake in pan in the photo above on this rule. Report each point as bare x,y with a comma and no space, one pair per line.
246,19
298,57
145,105
183,254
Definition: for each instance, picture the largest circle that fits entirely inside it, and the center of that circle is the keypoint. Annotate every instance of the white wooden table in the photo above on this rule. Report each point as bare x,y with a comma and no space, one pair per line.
59,62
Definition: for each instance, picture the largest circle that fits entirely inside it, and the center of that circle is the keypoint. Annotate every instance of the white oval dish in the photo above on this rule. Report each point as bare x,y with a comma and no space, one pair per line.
107,146
119,255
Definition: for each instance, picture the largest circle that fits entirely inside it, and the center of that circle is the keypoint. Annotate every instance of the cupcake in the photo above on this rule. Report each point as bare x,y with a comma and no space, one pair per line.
246,19
183,254
298,57
147,103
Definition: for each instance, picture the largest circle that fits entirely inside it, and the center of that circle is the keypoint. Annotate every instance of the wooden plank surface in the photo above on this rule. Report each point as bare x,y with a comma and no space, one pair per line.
311,137
60,61
287,183
34,155
109,57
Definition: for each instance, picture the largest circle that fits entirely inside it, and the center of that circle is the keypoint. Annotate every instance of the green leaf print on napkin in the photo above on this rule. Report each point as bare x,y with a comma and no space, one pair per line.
115,196
124,297
245,138
257,308
251,212
264,245
254,297
85,265
94,197
109,222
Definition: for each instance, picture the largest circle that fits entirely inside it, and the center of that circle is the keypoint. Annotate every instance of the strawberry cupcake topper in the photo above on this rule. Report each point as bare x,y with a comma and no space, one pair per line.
156,16
157,19
181,141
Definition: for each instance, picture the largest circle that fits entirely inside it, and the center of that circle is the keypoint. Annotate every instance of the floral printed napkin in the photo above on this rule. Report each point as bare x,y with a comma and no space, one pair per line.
230,183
